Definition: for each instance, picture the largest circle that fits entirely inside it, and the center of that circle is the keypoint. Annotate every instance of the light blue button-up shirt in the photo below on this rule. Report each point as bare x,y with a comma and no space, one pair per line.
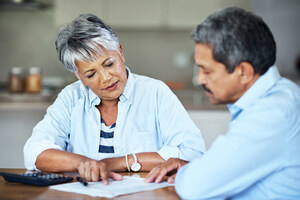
150,119
259,156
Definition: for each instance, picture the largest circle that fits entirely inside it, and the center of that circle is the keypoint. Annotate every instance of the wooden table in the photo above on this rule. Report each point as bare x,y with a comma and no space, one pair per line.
22,192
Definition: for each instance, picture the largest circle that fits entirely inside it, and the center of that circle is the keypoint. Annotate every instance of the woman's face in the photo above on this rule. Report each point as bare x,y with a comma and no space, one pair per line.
106,76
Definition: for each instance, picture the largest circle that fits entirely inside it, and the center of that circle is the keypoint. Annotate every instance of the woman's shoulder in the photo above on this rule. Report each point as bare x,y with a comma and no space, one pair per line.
72,91
147,82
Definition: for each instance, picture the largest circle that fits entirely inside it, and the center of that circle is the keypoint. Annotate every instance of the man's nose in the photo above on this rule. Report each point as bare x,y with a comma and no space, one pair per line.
201,79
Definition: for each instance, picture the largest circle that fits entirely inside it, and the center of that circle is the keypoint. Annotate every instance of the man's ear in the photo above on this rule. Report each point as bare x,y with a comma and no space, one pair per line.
246,72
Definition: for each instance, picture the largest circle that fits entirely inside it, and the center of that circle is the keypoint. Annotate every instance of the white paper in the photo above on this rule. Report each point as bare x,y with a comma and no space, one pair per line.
128,185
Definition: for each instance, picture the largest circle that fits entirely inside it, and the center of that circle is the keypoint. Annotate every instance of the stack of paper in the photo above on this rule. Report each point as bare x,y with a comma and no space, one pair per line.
128,185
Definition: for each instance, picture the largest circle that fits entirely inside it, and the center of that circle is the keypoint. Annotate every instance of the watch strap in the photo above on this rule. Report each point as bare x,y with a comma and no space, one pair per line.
134,157
135,166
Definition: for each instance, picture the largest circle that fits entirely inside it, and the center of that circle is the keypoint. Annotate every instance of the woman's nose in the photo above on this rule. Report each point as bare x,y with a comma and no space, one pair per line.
104,76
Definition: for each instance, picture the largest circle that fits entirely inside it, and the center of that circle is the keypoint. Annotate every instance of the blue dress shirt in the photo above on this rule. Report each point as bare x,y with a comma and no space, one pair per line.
150,119
259,156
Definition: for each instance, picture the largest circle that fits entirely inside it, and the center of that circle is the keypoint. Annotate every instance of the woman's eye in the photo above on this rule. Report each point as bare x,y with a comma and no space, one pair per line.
91,75
109,64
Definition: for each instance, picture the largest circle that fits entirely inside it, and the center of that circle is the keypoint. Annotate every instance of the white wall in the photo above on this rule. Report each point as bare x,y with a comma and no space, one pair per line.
283,18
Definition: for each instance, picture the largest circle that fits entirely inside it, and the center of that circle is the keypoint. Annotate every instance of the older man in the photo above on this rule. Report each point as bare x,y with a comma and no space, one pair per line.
258,158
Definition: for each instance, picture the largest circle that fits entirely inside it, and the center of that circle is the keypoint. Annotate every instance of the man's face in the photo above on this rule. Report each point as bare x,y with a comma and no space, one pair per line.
221,87
106,76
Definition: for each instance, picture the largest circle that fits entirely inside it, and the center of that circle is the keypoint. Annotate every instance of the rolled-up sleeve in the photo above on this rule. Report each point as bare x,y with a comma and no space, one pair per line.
181,137
50,133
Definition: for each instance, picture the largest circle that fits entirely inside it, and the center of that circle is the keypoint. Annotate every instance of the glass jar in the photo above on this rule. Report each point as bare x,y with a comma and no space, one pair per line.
34,80
16,80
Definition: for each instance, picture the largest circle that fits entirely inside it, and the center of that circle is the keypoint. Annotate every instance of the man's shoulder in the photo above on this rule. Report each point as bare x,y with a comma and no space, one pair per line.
284,93
280,101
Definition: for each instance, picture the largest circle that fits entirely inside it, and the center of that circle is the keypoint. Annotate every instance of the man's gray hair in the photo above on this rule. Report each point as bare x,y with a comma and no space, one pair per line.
235,35
83,39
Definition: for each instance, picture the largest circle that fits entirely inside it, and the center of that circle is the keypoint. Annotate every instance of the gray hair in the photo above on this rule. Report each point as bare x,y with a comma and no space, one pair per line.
83,39
235,35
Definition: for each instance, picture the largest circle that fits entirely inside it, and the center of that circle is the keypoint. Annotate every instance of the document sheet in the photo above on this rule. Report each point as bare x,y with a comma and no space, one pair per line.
128,185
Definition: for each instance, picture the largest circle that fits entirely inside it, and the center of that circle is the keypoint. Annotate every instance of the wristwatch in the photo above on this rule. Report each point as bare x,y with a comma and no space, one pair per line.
136,166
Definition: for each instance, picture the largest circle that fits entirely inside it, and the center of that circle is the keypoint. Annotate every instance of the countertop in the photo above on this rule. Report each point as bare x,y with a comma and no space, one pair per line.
195,99
26,101
191,98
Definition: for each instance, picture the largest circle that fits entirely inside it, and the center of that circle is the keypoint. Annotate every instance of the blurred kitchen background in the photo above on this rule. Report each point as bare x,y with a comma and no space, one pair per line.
156,41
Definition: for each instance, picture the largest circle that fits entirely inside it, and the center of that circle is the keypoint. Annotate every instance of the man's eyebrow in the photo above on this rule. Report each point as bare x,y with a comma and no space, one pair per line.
200,66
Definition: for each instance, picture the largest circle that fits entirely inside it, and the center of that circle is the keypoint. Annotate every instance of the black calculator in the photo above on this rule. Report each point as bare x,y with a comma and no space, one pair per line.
36,178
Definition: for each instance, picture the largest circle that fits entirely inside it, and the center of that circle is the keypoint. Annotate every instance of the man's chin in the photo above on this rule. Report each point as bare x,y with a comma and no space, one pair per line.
214,101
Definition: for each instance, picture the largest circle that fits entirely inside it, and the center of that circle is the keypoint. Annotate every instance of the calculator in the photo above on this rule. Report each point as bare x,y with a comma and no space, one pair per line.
36,178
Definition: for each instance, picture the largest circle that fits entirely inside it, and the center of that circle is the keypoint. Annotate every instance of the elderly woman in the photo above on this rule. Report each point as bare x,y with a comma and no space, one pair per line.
111,119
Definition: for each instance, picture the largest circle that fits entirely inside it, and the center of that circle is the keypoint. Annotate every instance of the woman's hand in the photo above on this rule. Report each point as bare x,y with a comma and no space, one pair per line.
170,167
91,170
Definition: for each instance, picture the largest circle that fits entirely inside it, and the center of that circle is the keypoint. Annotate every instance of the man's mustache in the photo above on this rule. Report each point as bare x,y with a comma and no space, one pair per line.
206,89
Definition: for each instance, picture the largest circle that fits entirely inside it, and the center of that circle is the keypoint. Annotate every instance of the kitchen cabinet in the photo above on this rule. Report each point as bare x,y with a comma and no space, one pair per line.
186,14
131,14
17,121
67,10
144,14
211,123
116,13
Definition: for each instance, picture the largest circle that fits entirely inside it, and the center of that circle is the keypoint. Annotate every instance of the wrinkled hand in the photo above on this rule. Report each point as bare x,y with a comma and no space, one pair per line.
170,167
91,170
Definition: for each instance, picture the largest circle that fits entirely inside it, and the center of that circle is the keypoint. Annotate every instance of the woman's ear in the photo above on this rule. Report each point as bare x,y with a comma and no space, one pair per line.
121,52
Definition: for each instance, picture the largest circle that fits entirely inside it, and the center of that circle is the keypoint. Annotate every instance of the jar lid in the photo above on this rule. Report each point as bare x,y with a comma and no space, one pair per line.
16,70
34,70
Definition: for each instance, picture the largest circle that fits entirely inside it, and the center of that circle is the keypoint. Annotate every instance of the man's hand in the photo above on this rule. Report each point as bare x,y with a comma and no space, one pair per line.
170,167
91,170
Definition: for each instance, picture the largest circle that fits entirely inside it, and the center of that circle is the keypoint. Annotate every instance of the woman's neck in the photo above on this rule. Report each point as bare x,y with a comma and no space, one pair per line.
109,103
109,111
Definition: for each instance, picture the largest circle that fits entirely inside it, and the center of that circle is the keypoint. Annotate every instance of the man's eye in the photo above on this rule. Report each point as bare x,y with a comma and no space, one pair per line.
91,75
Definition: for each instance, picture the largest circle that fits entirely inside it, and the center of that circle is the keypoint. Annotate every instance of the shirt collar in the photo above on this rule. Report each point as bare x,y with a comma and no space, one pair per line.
129,87
125,96
261,85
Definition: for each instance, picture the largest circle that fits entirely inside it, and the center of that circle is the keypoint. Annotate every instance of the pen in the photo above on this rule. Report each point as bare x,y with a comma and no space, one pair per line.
82,180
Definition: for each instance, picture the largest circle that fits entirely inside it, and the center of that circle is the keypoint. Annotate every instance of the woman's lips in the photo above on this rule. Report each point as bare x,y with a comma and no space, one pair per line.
112,86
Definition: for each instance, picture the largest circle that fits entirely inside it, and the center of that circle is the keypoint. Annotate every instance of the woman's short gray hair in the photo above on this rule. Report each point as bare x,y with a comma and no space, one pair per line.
83,39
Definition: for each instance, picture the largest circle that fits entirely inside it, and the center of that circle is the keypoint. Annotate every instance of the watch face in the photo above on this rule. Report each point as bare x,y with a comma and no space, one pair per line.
135,166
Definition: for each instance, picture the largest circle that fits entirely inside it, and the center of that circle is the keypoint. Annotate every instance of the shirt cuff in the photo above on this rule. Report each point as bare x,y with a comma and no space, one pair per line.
167,152
32,151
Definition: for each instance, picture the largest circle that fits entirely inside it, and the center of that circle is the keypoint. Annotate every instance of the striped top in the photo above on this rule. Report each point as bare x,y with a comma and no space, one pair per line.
106,145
